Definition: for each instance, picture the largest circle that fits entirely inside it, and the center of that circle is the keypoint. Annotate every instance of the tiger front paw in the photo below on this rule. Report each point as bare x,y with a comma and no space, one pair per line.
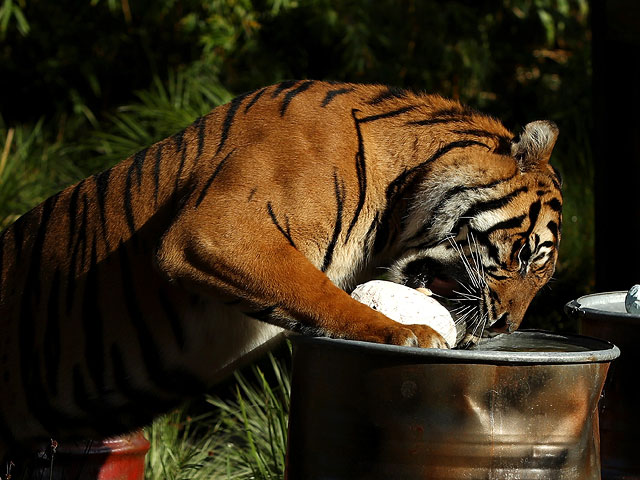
427,337
416,336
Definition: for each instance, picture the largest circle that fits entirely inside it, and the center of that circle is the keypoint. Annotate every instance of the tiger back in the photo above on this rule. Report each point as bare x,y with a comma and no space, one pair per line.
147,283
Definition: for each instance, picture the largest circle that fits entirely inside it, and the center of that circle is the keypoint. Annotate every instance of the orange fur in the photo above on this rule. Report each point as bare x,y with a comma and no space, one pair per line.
139,283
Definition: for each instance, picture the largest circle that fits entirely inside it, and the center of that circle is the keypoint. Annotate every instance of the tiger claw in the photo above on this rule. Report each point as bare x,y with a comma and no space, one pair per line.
427,337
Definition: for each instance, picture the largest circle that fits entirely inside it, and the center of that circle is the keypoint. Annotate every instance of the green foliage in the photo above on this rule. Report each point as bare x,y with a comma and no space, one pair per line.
240,436
11,12
184,447
160,111
256,420
30,169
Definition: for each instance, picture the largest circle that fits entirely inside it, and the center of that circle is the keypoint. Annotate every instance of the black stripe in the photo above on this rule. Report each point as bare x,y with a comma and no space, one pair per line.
556,178
156,173
388,94
504,143
29,357
72,213
371,231
292,93
263,315
102,188
134,168
37,399
18,235
534,213
404,182
511,223
450,146
228,120
73,259
331,94
82,234
340,194
255,98
361,175
282,86
392,113
287,232
495,298
213,176
433,121
175,380
128,209
481,133
553,227
33,283
515,248
200,124
51,345
146,342
138,164
178,138
495,275
483,206
180,148
448,195
460,110
93,323
554,204
482,238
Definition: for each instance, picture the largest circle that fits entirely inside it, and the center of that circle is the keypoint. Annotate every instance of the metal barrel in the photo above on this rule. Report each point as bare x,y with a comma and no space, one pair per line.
603,315
368,411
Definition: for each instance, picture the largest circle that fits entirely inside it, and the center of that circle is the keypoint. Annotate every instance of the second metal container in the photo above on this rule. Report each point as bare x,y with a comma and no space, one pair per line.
603,315
368,411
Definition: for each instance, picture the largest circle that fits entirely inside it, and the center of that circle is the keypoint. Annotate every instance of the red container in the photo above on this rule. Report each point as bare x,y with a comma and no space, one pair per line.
120,458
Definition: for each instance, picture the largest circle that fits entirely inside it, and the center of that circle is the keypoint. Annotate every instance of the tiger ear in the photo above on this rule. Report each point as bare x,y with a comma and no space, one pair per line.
535,144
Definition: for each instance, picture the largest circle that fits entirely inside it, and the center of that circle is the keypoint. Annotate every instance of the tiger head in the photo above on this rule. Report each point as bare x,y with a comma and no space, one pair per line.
485,232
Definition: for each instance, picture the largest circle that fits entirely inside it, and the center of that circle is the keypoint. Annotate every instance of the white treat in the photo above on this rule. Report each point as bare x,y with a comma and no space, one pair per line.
632,300
407,306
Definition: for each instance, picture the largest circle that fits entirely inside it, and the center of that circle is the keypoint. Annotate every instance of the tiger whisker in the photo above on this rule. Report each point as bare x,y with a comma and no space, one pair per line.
482,275
465,262
463,318
467,296
475,255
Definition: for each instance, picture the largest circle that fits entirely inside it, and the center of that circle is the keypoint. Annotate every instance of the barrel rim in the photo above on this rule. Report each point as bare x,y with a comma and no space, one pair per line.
607,353
577,309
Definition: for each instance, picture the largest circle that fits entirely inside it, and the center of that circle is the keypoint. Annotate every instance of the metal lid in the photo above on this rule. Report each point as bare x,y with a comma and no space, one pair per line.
501,349
607,305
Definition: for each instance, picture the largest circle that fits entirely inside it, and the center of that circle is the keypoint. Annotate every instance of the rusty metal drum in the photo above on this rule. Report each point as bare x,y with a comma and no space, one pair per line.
368,411
604,315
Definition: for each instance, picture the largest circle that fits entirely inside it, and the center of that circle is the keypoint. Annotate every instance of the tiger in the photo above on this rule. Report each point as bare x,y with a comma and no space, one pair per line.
147,283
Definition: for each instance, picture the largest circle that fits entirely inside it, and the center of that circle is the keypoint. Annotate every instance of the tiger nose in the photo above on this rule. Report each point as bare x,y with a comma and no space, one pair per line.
501,325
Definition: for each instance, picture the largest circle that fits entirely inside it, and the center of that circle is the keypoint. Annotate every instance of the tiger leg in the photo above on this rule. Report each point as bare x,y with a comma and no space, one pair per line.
279,283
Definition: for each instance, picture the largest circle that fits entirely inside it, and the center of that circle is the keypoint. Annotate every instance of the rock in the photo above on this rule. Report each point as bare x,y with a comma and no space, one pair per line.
407,306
